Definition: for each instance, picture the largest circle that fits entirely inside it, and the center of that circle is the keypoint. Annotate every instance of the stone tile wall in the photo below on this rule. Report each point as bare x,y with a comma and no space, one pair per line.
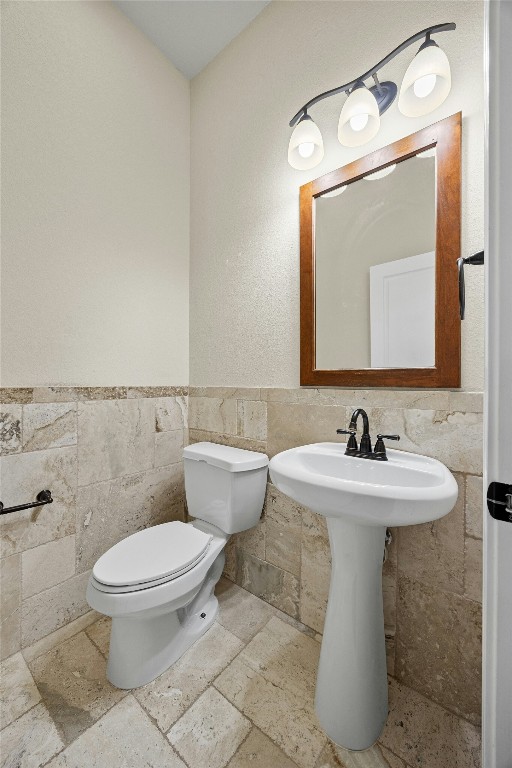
112,458
432,576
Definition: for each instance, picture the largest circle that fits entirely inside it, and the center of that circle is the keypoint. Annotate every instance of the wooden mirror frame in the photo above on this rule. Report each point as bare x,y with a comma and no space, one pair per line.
445,136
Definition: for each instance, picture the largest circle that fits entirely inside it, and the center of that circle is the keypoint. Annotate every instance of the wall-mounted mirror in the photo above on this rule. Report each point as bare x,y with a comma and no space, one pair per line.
379,243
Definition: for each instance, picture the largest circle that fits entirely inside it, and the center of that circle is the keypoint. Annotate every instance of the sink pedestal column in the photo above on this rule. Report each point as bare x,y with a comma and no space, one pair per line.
351,692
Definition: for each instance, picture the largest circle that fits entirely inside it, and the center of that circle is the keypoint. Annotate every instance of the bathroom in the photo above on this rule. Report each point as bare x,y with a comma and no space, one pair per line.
159,327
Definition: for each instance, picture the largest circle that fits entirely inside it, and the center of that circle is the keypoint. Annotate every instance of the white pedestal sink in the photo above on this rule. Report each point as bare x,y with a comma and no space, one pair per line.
360,498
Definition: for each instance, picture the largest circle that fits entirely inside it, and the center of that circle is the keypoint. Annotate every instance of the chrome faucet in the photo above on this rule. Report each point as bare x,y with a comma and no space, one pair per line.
365,448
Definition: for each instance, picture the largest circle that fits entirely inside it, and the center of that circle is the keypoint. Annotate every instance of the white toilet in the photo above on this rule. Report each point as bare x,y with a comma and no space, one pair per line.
157,585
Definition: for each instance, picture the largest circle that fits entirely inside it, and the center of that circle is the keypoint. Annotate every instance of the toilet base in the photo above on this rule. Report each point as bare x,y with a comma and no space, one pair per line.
144,645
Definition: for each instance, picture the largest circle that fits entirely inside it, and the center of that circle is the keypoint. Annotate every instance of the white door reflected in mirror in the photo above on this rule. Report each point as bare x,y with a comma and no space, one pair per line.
402,312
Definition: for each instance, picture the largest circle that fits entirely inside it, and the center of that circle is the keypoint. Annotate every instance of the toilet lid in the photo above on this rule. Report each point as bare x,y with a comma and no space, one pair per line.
157,553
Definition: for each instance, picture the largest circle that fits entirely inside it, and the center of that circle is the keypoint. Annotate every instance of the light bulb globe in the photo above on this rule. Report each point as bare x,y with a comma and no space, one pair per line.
306,149
424,86
359,122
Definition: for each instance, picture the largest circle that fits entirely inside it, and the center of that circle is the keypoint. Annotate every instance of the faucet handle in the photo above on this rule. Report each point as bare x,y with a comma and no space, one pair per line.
379,452
351,449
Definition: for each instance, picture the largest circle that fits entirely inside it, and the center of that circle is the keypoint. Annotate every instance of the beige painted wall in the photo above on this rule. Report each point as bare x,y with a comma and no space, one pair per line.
245,222
95,244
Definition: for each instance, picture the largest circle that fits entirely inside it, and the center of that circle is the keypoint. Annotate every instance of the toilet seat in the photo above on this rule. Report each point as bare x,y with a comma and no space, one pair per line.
151,557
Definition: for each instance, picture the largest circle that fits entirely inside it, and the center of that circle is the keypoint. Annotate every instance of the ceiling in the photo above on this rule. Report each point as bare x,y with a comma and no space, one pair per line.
191,32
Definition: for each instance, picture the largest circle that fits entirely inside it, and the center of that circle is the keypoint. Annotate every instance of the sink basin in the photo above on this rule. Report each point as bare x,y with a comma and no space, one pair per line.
360,498
404,490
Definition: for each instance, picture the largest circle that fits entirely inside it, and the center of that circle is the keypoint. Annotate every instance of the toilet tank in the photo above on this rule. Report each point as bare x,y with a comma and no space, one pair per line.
225,486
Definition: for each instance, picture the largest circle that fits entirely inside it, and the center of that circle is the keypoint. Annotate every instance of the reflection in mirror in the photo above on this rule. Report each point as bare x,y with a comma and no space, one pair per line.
375,241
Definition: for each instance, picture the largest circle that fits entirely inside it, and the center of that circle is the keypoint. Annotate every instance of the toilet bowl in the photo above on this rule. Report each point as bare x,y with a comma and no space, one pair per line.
158,584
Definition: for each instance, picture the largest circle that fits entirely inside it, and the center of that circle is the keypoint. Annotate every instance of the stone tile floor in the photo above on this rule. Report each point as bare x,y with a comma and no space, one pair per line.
241,697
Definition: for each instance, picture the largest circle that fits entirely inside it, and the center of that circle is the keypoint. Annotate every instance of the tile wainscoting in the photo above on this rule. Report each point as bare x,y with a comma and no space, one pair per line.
112,458
432,576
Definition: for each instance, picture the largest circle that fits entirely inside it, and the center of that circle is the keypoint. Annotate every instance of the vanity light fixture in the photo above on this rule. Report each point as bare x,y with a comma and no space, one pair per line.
426,84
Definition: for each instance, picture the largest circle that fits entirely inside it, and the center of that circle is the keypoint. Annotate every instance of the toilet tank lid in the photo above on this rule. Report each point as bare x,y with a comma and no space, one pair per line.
226,457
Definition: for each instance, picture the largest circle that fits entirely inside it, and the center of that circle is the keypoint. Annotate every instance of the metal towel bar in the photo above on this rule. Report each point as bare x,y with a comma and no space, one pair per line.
43,497
476,258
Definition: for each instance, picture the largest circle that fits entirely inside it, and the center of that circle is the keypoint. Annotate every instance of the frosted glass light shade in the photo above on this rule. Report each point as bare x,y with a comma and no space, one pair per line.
334,192
380,174
359,119
426,83
306,147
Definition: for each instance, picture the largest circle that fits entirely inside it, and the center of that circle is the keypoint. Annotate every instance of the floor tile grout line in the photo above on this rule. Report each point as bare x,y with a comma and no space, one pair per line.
146,711
155,723
209,685
244,713
243,740
435,703
125,693
93,641
123,697
246,643
60,642
270,738
40,701
260,730
380,744
242,640
66,746
180,755
43,702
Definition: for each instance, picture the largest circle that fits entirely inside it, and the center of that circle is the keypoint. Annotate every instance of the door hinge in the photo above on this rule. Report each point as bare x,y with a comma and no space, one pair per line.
499,501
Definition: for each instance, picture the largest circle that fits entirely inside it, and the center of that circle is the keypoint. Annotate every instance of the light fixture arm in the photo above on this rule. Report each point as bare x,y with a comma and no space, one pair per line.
373,71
